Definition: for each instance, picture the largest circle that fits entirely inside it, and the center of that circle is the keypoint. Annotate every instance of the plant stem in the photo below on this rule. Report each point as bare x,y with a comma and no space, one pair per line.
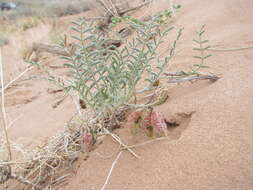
231,49
5,124
16,78
110,172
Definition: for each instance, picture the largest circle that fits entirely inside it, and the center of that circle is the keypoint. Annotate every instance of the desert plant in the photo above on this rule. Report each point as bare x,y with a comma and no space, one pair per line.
194,73
163,16
148,120
160,18
202,51
105,77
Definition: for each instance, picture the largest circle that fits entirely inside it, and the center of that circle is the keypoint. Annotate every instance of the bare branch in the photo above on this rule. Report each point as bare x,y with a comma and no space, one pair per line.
110,172
179,77
121,143
16,78
5,123
230,49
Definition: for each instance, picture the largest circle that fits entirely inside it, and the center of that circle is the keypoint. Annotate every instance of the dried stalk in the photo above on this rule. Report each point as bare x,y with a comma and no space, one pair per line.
14,121
135,8
60,179
119,154
121,143
179,77
110,172
194,78
5,123
24,181
16,78
230,49
45,162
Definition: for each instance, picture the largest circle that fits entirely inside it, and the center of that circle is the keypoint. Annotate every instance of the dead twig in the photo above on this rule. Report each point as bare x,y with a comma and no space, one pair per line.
9,163
135,8
110,12
119,154
110,172
60,179
16,78
103,4
230,49
194,78
179,77
15,120
5,123
175,74
24,181
58,102
114,136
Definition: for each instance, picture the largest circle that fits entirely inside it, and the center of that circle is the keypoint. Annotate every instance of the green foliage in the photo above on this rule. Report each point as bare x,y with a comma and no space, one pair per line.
105,77
118,19
202,48
161,18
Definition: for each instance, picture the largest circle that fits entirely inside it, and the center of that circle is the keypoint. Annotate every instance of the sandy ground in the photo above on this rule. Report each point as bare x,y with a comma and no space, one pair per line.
211,149
215,149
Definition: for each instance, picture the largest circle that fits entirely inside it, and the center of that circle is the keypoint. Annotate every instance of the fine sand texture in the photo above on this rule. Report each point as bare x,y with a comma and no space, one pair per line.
211,149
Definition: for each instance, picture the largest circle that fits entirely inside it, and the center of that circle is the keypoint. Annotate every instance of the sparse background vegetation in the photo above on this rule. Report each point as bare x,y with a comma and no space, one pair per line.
29,14
46,8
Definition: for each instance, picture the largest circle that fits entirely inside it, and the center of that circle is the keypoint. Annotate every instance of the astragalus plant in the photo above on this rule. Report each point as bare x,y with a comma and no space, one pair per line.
105,77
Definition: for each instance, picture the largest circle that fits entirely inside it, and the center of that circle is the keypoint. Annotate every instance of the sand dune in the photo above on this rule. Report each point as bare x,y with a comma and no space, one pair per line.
215,150
211,149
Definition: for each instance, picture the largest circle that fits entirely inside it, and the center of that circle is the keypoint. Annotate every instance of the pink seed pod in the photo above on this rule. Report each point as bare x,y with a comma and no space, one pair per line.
145,119
88,139
150,121
158,121
133,118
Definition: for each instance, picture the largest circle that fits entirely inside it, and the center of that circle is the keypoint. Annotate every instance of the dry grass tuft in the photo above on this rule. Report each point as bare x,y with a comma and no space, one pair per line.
42,166
48,165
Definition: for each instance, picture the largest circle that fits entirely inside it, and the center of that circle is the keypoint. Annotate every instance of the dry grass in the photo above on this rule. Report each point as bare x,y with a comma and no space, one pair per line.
44,8
46,166
29,14
42,166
